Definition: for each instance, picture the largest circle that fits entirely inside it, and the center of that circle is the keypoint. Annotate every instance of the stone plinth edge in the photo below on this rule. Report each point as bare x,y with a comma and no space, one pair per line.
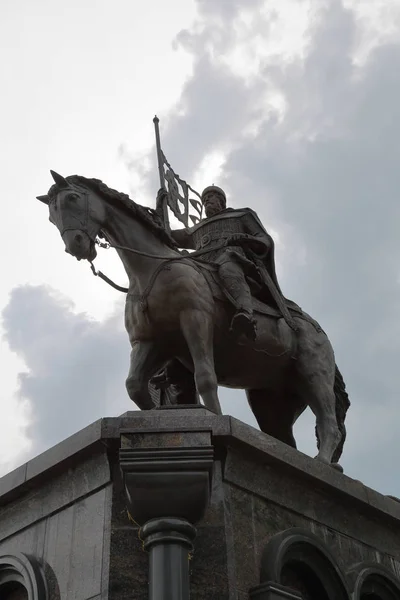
273,591
225,431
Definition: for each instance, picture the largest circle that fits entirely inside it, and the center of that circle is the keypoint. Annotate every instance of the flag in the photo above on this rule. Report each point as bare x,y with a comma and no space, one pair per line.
187,209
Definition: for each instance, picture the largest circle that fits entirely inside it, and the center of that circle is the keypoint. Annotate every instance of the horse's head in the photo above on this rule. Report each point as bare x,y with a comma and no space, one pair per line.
78,213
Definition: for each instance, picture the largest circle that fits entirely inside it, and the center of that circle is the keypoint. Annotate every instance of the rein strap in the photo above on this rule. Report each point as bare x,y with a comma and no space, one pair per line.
119,288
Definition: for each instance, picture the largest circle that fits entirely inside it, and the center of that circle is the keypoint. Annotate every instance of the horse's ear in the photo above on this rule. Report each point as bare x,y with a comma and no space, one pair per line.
44,198
59,179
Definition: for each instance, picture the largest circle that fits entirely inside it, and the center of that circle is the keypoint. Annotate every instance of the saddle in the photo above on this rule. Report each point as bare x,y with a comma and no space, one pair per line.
210,273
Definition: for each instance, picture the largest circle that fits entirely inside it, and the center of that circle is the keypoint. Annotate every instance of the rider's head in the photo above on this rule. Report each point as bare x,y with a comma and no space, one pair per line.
214,200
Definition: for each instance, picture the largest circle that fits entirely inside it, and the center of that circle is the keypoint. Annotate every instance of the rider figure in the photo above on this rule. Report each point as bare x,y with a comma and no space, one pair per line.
235,240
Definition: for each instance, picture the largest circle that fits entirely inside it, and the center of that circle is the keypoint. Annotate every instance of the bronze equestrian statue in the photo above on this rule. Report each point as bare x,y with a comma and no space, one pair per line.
219,312
246,256
246,268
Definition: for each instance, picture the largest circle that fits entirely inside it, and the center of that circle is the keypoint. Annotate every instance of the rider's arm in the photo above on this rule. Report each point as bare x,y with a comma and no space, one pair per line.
183,238
262,242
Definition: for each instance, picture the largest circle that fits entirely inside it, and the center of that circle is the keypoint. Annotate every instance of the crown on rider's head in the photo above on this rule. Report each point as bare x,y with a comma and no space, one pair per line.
214,188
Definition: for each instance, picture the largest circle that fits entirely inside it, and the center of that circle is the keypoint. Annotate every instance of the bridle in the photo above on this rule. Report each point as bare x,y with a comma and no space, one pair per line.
75,222
94,235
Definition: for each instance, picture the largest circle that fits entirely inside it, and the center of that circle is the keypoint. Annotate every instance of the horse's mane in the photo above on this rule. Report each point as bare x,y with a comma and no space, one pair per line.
146,215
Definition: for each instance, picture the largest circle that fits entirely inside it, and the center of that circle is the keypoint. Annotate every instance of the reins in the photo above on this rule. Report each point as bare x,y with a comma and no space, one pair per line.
119,288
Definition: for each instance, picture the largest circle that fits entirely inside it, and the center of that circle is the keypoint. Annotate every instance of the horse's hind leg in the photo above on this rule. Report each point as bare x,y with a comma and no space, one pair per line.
322,403
275,414
316,370
197,328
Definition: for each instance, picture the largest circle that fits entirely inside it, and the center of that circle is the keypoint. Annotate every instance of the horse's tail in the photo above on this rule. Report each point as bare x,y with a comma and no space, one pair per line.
342,404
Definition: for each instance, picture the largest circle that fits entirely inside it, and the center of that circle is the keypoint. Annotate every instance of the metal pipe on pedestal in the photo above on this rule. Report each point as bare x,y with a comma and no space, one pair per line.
169,542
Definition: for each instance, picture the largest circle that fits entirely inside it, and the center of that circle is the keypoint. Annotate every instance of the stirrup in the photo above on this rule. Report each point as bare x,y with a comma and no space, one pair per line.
244,323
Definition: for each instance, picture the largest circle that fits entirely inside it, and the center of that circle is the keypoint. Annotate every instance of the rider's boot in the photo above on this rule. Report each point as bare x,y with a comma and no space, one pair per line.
243,322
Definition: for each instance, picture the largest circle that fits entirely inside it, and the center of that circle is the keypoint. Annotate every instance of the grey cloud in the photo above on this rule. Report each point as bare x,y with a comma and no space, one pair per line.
76,367
215,96
327,178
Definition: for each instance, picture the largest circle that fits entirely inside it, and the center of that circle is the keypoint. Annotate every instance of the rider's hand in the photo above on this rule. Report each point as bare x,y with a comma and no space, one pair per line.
256,244
162,192
237,238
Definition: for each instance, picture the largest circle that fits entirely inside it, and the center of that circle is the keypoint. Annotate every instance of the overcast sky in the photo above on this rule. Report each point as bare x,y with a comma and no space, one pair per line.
293,106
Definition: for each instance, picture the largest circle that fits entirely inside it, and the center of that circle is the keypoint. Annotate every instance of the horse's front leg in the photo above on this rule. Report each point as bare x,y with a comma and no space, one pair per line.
197,328
146,359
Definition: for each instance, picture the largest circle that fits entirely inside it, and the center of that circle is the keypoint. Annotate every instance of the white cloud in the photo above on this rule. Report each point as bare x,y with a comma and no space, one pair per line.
210,170
77,83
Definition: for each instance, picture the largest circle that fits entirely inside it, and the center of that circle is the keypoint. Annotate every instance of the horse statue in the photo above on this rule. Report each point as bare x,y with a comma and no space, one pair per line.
173,314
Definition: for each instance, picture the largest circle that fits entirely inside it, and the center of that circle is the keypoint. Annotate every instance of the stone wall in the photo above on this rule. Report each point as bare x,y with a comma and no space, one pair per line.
64,520
60,516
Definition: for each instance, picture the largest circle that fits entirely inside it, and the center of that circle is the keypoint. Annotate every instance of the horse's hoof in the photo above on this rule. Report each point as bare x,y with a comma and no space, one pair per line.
395,498
337,467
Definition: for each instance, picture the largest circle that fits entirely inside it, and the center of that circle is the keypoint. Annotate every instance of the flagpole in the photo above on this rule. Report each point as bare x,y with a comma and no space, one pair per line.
160,161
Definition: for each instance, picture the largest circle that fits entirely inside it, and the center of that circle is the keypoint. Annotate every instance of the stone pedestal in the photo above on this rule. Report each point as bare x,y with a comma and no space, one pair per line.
169,542
83,522
167,477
